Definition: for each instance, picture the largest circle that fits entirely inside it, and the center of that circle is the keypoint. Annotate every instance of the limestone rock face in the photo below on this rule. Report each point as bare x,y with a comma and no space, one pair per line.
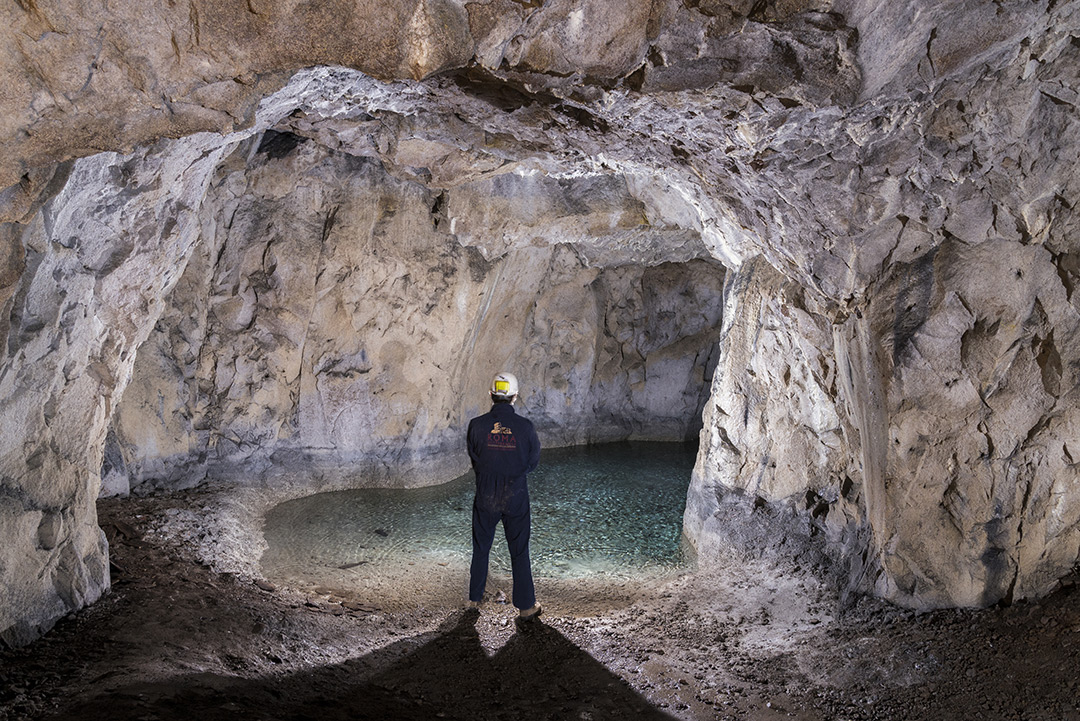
776,472
773,429
953,291
330,321
85,303
976,466
890,186
100,244
138,72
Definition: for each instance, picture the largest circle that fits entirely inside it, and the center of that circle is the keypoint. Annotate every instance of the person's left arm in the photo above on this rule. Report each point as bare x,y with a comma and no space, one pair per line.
534,449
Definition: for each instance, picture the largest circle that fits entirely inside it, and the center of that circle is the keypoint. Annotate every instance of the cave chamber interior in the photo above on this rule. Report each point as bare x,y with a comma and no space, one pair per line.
835,242
339,318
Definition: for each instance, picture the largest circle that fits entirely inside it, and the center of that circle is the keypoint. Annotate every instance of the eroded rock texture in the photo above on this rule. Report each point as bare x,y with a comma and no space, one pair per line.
953,294
96,269
891,187
329,321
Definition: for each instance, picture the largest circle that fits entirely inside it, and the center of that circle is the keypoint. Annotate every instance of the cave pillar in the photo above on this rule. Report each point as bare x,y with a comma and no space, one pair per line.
961,370
776,466
99,257
922,438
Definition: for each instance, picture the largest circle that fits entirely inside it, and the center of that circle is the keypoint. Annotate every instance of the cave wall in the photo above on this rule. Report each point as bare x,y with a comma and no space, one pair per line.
100,242
84,305
778,470
976,464
945,266
330,322
948,447
906,170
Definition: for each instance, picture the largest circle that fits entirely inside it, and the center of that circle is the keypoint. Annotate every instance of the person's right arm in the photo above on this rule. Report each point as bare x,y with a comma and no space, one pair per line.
472,444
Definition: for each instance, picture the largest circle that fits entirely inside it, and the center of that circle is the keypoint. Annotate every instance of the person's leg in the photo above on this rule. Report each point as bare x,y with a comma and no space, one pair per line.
518,528
483,533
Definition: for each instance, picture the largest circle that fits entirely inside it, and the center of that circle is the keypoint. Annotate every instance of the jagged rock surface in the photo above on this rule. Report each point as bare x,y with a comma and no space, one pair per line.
775,469
906,168
329,321
93,269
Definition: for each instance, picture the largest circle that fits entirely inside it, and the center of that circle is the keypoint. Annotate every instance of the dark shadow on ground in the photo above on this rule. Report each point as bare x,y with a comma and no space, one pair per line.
537,674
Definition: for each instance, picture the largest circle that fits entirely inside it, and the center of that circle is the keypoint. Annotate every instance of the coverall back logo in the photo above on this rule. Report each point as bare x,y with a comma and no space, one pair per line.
501,438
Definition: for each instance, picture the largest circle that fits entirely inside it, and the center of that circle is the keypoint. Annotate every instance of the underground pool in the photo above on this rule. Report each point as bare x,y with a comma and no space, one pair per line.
610,512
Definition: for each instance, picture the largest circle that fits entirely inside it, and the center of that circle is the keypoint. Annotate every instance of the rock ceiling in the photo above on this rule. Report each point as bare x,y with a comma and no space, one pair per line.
891,186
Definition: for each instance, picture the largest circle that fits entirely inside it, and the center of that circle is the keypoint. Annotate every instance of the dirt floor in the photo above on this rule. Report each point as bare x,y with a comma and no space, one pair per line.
175,639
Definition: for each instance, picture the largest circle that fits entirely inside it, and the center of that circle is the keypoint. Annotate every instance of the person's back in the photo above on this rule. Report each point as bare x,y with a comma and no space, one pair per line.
504,449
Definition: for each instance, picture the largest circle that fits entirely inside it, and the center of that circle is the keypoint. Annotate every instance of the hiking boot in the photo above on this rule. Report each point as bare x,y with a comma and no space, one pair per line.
528,614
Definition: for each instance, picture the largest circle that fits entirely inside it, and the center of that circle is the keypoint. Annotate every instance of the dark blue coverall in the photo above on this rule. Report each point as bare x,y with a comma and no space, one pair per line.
504,448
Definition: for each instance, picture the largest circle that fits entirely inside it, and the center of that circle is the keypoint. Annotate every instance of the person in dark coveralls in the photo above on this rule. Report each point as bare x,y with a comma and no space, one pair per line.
504,449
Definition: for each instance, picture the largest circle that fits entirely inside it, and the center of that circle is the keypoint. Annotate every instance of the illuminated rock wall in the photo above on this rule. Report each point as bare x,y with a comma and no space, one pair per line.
330,321
906,170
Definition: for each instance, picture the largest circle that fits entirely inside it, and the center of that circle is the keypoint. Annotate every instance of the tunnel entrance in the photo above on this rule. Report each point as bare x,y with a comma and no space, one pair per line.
602,514
340,319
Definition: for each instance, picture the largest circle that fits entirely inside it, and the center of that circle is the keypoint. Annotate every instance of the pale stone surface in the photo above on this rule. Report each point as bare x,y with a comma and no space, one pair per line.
907,169
143,71
945,240
978,386
330,322
83,307
775,469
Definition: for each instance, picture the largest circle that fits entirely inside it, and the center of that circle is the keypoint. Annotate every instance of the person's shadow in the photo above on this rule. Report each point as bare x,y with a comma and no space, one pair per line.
446,674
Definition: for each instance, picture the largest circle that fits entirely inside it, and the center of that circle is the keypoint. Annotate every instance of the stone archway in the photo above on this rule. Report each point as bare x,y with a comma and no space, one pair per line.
330,319
907,170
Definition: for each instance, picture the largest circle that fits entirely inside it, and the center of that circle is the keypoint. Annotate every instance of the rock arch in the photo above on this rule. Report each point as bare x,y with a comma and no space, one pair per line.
897,181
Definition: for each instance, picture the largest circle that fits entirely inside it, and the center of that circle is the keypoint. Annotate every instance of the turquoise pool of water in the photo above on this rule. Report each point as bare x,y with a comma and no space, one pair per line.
613,509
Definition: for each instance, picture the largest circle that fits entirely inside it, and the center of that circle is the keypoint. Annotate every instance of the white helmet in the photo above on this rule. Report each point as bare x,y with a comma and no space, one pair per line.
504,385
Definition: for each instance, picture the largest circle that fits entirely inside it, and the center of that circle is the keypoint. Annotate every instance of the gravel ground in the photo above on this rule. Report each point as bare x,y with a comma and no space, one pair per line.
191,632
